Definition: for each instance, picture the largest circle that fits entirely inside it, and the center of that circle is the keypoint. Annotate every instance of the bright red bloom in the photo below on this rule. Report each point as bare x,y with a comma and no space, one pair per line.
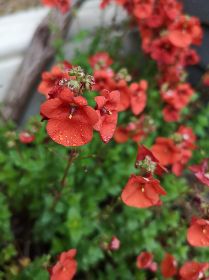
107,109
193,270
138,96
62,5
51,79
198,233
100,60
201,171
185,31
142,192
163,51
172,8
65,268
103,79
136,130
26,137
165,150
143,8
144,260
114,244
70,119
123,88
168,266
170,114
144,153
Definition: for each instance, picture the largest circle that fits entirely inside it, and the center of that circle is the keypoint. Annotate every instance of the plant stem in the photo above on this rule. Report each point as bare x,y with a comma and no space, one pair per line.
72,156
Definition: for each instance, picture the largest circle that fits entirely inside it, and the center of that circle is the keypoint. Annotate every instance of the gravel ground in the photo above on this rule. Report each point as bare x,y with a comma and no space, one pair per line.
10,6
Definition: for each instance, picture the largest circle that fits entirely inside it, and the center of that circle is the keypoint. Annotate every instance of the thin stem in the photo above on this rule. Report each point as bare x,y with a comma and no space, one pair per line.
72,156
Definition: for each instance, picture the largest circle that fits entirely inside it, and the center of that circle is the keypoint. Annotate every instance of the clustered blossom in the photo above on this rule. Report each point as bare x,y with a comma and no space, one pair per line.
176,150
132,95
167,36
190,270
136,130
70,120
143,191
62,5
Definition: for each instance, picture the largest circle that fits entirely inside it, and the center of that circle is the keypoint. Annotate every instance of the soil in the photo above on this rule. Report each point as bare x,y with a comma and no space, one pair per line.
11,6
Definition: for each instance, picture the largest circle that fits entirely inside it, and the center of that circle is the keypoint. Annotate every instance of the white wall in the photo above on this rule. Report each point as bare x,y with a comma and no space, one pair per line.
16,31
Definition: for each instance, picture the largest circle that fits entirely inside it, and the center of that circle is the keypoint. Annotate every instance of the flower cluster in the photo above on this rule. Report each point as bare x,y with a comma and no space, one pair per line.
62,5
190,270
176,150
167,36
143,191
70,120
132,95
136,130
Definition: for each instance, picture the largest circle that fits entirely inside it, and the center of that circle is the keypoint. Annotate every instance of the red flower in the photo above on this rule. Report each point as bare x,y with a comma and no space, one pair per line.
185,31
107,109
100,60
170,114
146,154
70,119
193,270
198,233
168,266
103,79
26,137
144,260
201,171
114,244
142,192
62,5
143,8
122,87
51,79
163,51
138,96
165,150
65,268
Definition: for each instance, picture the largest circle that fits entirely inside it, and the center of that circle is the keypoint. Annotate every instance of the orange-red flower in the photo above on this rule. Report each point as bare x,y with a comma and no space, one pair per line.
70,120
198,233
100,60
65,268
138,96
143,8
168,266
165,150
185,31
62,5
145,154
144,260
107,110
51,79
193,270
201,171
142,192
